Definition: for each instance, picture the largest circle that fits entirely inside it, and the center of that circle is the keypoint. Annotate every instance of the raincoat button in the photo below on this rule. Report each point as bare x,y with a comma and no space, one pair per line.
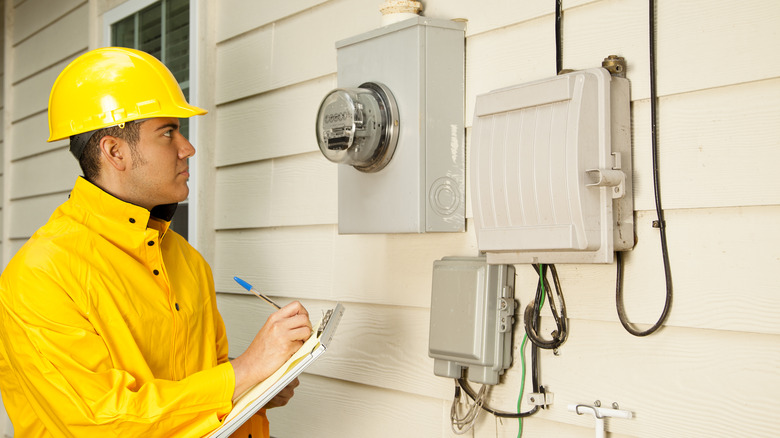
151,243
177,306
132,221
156,272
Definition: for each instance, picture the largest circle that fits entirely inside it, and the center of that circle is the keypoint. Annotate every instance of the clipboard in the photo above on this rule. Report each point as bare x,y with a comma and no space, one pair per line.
256,397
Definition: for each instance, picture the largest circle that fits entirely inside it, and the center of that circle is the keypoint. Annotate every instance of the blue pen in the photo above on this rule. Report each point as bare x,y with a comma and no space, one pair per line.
249,287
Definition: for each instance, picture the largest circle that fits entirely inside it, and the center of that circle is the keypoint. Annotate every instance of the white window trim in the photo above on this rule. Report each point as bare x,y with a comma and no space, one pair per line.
128,8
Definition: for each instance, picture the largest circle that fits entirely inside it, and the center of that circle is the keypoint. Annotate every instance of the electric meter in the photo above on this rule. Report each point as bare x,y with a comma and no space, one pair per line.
359,126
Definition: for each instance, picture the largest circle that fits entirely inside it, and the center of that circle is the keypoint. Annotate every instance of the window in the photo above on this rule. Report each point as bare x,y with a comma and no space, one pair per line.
162,29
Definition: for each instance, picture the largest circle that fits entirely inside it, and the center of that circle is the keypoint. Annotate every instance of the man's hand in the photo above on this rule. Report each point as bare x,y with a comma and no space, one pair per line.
284,395
282,335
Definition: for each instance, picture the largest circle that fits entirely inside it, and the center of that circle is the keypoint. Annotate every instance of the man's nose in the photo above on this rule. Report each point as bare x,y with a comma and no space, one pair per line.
186,149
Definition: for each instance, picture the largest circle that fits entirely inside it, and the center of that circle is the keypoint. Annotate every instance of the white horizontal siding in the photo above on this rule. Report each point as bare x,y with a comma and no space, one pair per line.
297,49
695,52
35,15
30,136
365,333
58,167
670,380
43,38
35,210
269,125
715,43
298,190
53,44
487,17
335,409
238,16
399,271
31,95
316,262
378,346
728,155
718,143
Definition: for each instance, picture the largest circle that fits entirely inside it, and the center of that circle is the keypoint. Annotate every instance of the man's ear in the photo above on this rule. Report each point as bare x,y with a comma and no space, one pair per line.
114,151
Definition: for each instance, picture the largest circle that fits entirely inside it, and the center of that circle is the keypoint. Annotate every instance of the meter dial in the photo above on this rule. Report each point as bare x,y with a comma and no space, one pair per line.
358,126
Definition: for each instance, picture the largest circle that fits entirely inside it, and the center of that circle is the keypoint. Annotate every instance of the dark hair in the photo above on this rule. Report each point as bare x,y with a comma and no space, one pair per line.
90,157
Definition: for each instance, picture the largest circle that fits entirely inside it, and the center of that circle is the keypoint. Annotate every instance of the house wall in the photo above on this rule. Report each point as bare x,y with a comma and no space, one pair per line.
268,209
41,38
276,202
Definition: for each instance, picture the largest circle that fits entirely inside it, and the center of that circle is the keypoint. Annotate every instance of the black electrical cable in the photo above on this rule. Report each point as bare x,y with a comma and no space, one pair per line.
463,384
661,223
532,311
558,38
535,378
470,392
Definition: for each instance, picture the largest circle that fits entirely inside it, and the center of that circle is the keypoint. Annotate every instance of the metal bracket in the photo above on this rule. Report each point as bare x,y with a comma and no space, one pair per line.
600,414
506,312
543,399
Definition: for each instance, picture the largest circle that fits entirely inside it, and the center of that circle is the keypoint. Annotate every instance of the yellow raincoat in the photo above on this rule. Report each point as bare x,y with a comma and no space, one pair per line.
109,328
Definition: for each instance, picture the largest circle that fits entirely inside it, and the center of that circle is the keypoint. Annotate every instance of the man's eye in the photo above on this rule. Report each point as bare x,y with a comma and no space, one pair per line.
168,133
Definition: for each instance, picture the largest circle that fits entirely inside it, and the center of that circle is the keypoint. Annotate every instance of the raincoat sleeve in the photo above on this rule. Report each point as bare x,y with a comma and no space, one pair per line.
221,333
64,368
257,426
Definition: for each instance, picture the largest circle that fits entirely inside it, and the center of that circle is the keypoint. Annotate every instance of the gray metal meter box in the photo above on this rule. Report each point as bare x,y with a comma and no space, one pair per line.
551,170
420,188
472,314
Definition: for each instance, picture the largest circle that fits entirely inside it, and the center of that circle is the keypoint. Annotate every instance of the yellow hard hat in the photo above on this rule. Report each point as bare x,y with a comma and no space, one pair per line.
111,86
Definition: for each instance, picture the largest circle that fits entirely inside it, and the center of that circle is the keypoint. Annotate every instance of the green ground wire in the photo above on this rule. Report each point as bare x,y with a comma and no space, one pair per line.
522,361
522,387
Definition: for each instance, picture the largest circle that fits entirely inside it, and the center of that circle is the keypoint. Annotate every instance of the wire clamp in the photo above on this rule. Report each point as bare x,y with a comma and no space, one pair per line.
541,399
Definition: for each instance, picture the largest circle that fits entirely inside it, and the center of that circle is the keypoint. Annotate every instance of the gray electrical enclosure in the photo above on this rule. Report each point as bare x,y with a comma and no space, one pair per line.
421,62
472,314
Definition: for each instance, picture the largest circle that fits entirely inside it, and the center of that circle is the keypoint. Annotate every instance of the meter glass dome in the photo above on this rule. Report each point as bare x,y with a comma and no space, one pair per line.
358,126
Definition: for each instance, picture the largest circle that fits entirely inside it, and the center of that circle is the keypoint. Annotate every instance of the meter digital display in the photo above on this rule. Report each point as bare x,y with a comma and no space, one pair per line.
359,126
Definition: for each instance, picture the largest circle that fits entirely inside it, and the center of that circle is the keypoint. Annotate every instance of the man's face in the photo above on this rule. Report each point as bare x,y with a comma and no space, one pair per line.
159,170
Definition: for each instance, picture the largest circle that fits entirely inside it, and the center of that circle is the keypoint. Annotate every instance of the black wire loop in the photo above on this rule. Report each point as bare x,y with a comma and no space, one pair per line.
660,223
532,311
470,392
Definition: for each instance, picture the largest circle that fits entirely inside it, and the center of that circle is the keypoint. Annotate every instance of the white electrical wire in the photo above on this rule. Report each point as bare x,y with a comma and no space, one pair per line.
461,425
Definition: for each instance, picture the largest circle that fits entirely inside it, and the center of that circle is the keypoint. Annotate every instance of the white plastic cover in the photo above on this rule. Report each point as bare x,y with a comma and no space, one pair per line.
545,171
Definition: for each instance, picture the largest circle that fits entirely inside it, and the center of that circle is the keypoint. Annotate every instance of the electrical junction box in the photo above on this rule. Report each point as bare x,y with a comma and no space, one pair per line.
420,187
551,170
472,314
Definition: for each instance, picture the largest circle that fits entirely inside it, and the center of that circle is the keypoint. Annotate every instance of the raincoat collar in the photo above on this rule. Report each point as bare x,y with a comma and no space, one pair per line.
101,203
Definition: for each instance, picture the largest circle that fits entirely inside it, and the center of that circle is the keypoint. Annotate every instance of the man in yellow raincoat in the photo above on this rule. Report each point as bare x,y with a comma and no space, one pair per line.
108,319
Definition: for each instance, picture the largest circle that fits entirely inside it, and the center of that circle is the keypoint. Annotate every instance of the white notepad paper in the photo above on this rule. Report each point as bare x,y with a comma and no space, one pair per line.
255,398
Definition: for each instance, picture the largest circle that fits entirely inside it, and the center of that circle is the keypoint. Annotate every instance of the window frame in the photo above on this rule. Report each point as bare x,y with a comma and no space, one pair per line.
129,8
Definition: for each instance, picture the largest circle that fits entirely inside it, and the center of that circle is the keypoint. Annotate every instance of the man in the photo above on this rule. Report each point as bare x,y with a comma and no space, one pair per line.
108,319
